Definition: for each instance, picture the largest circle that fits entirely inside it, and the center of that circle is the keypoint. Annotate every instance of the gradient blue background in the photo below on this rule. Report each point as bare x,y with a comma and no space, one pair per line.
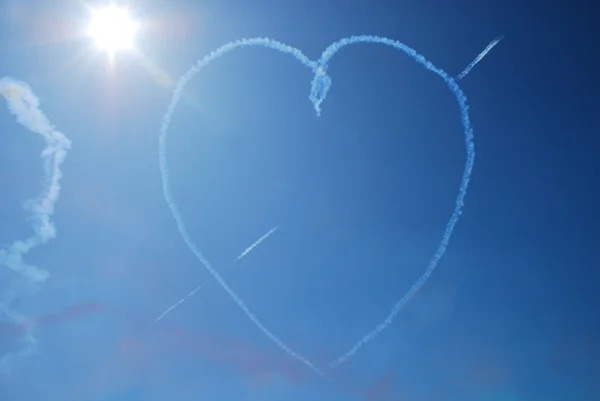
361,195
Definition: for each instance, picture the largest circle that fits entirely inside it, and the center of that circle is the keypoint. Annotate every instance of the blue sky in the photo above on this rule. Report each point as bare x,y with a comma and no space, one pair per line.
360,196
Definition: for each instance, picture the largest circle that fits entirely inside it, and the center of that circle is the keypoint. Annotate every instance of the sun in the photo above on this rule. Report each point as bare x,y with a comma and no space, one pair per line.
112,29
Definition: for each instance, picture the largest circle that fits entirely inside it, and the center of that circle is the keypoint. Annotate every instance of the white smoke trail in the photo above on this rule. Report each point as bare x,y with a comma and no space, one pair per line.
176,304
195,290
256,243
479,57
320,86
317,96
24,105
162,155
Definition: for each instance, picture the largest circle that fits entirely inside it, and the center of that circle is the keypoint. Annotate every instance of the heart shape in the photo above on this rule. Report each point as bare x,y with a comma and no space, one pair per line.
320,85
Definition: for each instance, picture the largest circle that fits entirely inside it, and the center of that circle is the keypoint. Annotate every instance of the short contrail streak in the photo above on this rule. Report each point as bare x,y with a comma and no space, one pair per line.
195,290
480,57
257,243
176,304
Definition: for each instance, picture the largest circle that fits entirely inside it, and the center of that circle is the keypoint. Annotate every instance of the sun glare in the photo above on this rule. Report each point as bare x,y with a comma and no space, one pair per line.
112,29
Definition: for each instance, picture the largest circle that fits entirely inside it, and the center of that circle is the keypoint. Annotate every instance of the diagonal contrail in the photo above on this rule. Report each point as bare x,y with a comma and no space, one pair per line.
195,290
176,304
480,57
256,243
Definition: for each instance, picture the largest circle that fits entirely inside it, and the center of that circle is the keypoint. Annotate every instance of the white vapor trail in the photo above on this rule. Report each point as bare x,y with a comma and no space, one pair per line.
320,86
462,190
24,105
256,243
479,57
162,156
195,290
176,304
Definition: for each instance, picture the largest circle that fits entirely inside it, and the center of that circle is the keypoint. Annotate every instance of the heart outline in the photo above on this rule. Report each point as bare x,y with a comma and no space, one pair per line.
320,86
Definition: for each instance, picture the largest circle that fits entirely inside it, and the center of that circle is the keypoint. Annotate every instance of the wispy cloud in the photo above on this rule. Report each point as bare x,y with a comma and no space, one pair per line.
25,106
